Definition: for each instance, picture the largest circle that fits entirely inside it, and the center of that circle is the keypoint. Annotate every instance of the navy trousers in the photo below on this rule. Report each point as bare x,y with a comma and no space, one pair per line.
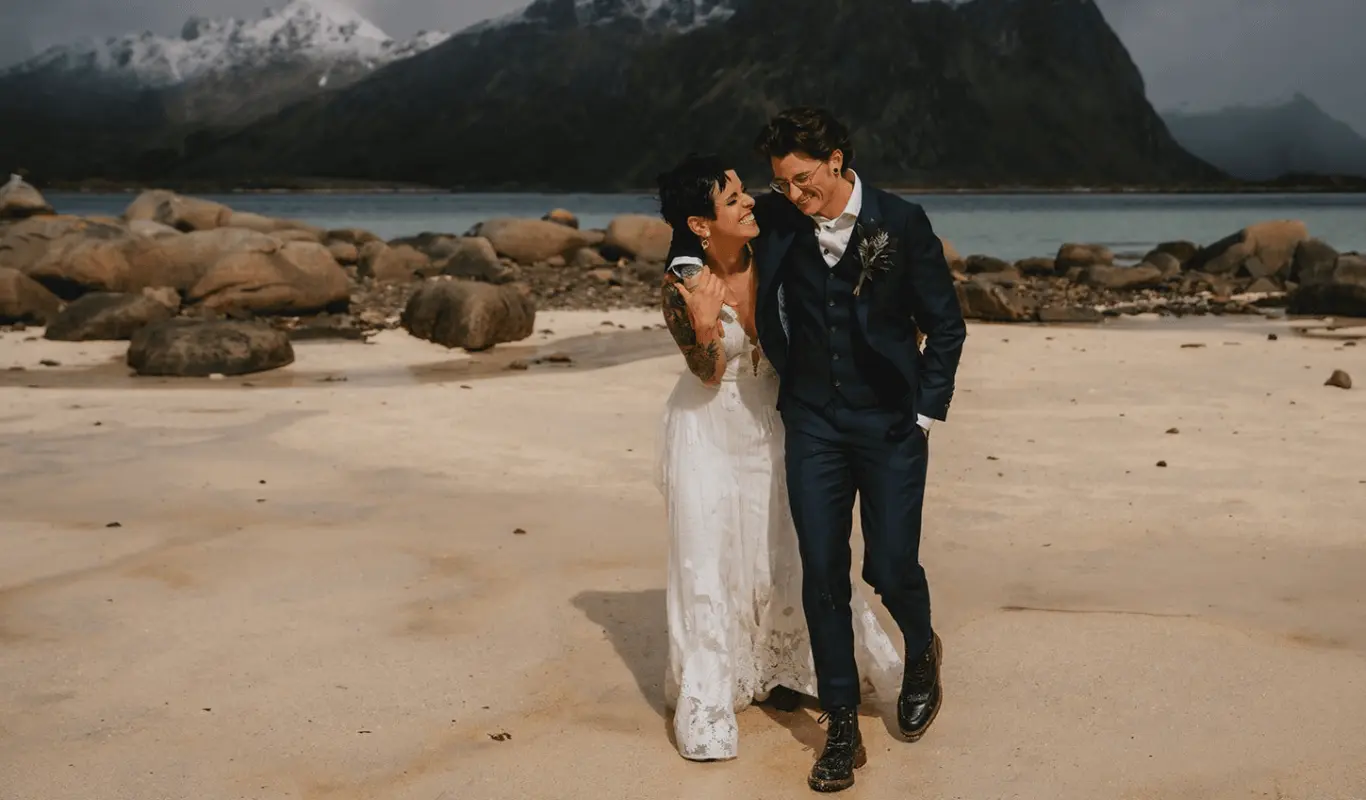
834,452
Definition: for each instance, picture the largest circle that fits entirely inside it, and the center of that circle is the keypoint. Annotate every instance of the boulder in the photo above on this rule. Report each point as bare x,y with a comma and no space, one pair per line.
528,241
298,278
198,348
1313,262
112,316
1182,250
192,214
1273,243
25,243
354,236
1037,267
1166,263
19,200
977,264
562,217
145,205
987,301
151,229
1143,276
473,258
183,261
288,229
586,258
469,314
23,299
344,252
640,236
1341,293
387,264
1082,255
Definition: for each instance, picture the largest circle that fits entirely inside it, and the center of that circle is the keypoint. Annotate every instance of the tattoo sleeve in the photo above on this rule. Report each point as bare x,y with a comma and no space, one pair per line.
705,353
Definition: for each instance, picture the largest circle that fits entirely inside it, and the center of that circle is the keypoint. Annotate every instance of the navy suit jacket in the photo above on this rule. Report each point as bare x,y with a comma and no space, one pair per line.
916,292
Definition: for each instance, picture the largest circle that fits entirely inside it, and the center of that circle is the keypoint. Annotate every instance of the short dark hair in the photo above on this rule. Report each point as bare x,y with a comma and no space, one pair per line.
686,190
805,129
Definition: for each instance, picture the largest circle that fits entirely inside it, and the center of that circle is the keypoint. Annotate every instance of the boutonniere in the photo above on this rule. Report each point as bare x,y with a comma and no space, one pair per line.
875,250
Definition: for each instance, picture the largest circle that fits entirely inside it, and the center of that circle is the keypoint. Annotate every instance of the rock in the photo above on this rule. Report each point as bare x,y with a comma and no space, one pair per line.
1263,286
191,213
23,244
1273,243
1341,292
473,258
469,314
1339,379
643,237
977,264
344,252
284,229
562,217
183,261
198,348
1183,251
299,278
1082,255
1037,267
145,205
1069,314
528,241
1168,264
587,258
19,200
388,264
111,316
981,300
1120,278
1313,262
24,300
355,236
151,229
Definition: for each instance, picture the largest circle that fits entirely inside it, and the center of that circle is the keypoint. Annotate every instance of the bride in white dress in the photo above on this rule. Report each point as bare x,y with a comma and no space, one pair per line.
736,627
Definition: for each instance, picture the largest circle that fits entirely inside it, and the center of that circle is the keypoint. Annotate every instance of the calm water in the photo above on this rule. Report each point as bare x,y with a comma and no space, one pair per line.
1006,226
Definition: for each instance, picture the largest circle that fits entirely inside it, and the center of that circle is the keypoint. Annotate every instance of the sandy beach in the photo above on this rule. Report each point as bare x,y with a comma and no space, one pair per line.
395,571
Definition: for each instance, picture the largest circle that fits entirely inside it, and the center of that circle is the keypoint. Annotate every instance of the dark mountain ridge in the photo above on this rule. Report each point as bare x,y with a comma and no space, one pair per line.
988,92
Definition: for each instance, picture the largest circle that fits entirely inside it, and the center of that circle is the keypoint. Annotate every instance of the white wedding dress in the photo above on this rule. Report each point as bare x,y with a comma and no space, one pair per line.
736,627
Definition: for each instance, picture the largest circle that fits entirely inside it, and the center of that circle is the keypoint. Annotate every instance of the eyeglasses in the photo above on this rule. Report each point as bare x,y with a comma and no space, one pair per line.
800,180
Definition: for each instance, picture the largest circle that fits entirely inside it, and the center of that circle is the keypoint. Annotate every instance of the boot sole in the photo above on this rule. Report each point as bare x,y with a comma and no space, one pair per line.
915,736
819,785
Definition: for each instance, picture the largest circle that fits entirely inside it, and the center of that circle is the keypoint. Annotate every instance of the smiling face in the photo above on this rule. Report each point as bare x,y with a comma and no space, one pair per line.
734,213
812,185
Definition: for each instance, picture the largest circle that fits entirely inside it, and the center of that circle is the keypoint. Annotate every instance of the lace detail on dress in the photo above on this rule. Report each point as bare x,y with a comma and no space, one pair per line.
735,621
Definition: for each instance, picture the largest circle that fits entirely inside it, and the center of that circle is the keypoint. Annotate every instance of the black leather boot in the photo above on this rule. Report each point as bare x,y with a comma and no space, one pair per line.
921,693
844,752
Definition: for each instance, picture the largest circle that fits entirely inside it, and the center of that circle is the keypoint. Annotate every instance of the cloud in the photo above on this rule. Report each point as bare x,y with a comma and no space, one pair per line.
1204,53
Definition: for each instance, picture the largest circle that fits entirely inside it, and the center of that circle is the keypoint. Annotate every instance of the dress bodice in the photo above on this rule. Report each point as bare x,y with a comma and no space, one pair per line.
743,357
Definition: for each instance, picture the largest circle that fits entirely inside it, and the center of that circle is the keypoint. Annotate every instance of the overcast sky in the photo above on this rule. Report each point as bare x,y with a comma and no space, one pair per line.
1199,52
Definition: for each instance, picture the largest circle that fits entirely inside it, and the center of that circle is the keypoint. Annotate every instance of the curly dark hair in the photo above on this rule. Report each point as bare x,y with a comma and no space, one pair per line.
805,129
686,190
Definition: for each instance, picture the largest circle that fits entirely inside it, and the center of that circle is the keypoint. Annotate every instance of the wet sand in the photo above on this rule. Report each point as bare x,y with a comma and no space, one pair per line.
394,586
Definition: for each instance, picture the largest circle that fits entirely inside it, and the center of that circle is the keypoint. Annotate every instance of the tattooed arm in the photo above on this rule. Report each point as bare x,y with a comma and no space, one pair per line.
693,317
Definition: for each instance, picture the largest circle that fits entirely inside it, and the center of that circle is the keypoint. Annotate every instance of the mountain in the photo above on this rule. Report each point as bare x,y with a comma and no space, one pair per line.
604,94
1261,143
217,73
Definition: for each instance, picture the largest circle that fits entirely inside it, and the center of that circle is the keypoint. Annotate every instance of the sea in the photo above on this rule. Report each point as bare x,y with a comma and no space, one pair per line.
1007,226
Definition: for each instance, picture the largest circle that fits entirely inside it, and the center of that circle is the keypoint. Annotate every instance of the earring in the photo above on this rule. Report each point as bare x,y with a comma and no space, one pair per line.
706,242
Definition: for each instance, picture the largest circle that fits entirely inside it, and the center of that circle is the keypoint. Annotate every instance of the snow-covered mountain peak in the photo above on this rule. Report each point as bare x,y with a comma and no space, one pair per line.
323,31
677,15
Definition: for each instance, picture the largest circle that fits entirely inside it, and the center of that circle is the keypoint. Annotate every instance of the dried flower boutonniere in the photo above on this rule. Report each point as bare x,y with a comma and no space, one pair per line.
875,250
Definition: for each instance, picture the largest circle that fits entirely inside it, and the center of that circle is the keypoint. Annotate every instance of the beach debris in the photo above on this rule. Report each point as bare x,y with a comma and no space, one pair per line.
1271,337
48,362
1190,345
519,531
1173,430
1162,463
501,736
1339,379
113,525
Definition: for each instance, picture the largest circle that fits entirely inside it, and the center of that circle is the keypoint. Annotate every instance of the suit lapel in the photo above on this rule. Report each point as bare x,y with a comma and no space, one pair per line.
869,218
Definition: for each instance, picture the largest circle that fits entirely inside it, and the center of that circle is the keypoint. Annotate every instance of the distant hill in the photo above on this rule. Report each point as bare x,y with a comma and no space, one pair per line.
1262,143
